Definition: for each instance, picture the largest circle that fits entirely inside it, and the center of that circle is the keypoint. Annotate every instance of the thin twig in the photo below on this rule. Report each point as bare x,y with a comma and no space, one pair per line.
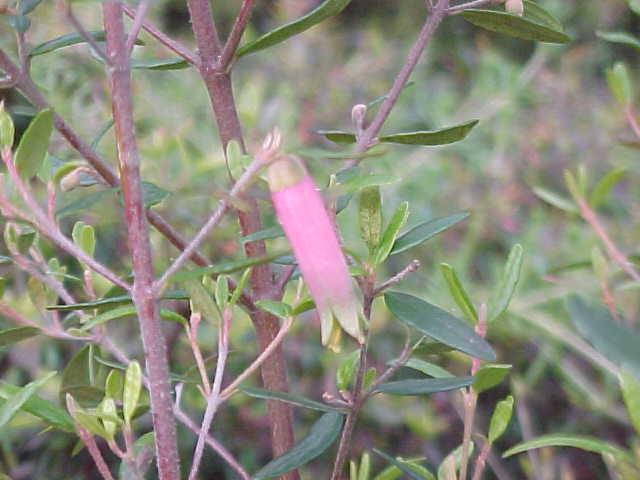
213,400
155,349
630,115
138,21
73,20
237,30
94,451
409,269
394,367
613,251
43,225
481,461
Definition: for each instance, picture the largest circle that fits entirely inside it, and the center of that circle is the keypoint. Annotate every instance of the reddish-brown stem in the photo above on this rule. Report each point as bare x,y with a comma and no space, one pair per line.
231,45
630,115
274,371
481,461
613,251
94,451
155,350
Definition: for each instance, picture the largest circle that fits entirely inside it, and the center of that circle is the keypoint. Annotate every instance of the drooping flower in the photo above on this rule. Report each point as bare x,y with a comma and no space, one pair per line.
311,233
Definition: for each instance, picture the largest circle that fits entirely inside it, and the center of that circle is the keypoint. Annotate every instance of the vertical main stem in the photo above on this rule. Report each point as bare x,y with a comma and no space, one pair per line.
219,88
155,349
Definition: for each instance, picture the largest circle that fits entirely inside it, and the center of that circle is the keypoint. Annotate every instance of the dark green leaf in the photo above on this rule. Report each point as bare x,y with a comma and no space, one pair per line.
201,299
19,23
266,234
41,408
17,334
347,370
116,300
338,136
458,292
34,144
84,203
16,401
78,378
536,13
160,64
326,9
514,26
405,467
505,289
153,194
490,375
424,386
289,398
588,444
322,434
623,38
438,324
104,317
27,6
66,41
426,230
101,133
427,368
615,340
443,136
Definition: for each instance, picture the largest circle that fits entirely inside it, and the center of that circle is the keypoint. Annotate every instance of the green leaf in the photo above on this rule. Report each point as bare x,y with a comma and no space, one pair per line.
17,334
338,136
443,136
67,41
502,294
438,324
365,467
46,410
500,419
201,299
113,314
536,13
84,236
115,300
426,386
78,378
347,370
114,384
265,234
84,203
556,200
228,266
132,390
20,23
144,451
426,230
490,375
359,182
7,129
620,84
409,469
16,401
616,341
458,292
602,190
390,233
153,194
279,309
322,434
289,398
34,143
623,38
326,9
630,387
370,217
160,64
514,26
222,292
427,368
240,286
586,443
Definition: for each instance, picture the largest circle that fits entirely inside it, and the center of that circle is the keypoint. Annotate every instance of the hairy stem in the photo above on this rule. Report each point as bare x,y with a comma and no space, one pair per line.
155,350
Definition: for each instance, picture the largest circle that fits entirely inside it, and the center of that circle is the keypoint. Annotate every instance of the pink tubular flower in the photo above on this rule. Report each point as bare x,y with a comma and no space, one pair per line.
304,219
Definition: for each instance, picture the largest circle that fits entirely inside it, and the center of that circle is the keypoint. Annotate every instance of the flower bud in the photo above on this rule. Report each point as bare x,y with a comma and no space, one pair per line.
358,112
306,223
514,7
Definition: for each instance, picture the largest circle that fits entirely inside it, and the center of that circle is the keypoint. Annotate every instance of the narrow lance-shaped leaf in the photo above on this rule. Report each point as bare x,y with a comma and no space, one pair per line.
458,292
326,9
67,41
425,231
502,295
630,387
15,402
623,38
297,400
438,324
132,390
603,188
370,217
500,418
37,406
17,334
424,386
443,136
589,444
322,434
490,375
391,233
411,470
